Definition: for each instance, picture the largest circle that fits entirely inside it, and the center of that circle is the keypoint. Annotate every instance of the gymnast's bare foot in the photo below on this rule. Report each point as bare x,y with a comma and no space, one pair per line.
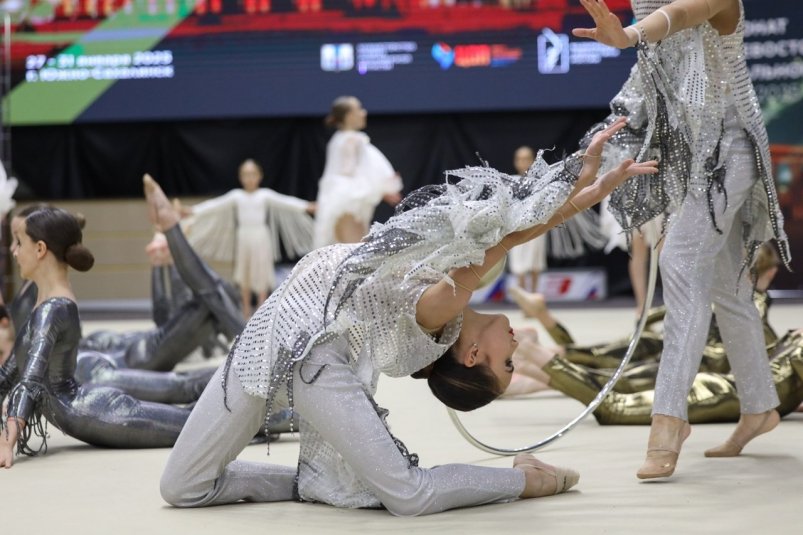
531,304
160,211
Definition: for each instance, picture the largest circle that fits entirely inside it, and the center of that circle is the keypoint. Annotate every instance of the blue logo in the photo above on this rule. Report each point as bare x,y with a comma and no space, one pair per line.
443,54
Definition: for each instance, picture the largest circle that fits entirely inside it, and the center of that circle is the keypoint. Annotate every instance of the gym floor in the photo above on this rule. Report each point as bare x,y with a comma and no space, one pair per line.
76,488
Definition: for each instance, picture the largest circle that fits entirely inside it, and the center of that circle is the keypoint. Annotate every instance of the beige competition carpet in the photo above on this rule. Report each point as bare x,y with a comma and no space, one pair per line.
76,488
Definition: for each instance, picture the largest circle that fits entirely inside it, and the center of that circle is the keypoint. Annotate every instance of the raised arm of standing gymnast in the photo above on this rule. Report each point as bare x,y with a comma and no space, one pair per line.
679,15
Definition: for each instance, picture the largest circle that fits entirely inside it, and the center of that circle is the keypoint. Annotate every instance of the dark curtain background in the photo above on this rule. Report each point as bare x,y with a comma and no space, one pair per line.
104,161
101,161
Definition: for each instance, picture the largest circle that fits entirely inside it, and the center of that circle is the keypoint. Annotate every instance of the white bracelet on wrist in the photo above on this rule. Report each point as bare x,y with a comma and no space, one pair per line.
637,33
668,22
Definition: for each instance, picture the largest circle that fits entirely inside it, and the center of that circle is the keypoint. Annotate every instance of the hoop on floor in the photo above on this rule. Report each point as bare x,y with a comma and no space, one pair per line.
634,339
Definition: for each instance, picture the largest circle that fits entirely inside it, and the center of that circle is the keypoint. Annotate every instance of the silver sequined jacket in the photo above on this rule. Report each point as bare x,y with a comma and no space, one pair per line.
676,100
368,293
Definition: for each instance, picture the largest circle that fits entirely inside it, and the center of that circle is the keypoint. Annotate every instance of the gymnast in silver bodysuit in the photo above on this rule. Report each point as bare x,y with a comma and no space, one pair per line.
40,376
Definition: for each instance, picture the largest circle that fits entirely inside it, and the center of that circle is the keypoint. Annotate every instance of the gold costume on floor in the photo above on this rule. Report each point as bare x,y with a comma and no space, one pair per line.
648,350
583,371
607,355
712,397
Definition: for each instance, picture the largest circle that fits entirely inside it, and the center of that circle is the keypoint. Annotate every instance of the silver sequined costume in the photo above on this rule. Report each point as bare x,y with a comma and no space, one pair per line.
344,315
677,99
139,362
690,104
197,304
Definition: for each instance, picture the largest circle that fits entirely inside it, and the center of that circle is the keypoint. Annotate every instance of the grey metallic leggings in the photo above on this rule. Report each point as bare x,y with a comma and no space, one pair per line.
205,283
202,469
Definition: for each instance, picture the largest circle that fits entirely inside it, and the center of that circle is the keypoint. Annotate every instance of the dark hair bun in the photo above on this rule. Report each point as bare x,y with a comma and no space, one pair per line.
460,387
79,257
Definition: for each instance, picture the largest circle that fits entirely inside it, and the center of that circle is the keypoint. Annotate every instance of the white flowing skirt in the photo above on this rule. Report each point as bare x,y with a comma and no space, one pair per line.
339,195
527,257
253,263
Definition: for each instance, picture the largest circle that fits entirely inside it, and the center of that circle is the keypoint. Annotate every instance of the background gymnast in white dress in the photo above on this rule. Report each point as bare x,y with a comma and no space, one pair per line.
356,178
245,225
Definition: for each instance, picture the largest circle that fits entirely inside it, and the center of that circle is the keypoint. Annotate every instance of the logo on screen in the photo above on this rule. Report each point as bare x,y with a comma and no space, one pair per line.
337,58
503,55
479,55
553,52
443,54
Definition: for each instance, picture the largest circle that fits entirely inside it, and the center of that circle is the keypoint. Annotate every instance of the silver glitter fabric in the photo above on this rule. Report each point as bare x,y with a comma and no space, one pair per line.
370,290
107,358
348,457
700,266
676,100
367,293
38,379
189,312
360,465
183,330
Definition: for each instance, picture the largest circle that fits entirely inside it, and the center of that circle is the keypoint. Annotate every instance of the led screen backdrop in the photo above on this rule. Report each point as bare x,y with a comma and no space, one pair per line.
90,61
118,60
113,60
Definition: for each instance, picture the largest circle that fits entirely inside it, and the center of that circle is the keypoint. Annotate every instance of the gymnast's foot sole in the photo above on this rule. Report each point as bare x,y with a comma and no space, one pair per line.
160,211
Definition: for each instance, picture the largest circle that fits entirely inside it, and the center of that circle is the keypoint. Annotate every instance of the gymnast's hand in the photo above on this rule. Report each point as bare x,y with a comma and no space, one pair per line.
8,439
627,169
6,449
599,139
592,157
608,31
